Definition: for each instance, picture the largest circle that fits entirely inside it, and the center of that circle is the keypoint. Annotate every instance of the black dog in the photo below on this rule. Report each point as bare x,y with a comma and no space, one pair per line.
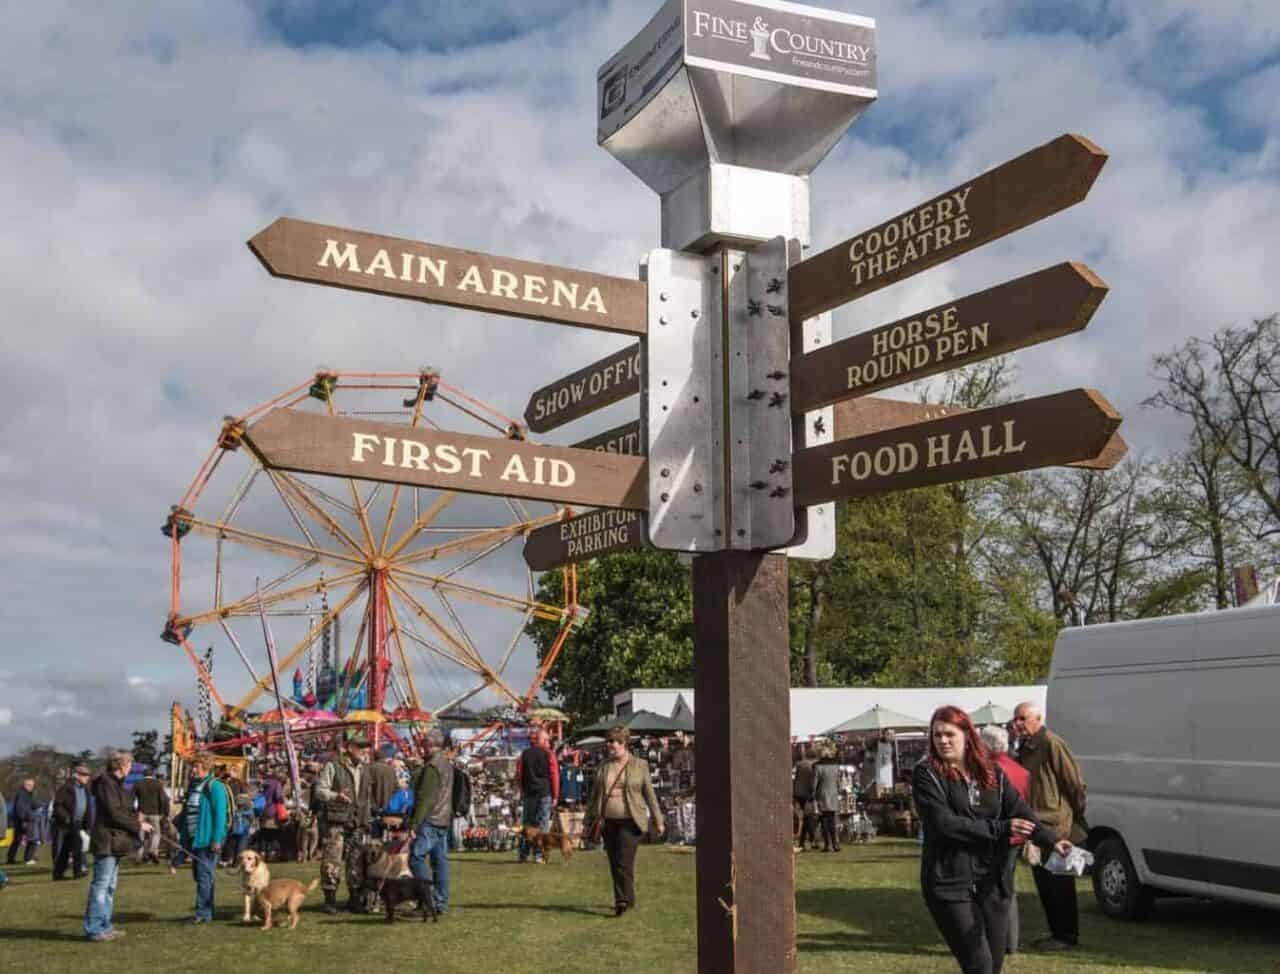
397,891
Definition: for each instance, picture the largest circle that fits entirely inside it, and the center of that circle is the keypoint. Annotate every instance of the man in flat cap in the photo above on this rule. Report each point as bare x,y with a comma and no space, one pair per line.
342,799
71,815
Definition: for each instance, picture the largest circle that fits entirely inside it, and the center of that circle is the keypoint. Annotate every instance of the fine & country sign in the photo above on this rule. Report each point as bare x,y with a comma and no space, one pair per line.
1044,432
1041,306
287,439
587,535
1009,197
601,384
360,261
624,439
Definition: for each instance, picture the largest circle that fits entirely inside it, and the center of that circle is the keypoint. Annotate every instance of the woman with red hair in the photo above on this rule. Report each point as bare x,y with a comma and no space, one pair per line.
970,811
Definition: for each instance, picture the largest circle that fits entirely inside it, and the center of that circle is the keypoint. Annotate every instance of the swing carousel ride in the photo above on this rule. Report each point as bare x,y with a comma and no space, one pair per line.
390,604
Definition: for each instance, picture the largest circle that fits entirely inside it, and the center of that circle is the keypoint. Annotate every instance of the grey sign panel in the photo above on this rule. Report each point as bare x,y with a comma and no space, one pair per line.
783,42
635,74
681,407
760,499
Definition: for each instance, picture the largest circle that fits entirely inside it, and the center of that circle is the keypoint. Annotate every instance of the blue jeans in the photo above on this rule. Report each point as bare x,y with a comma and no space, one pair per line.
537,812
102,895
203,866
432,842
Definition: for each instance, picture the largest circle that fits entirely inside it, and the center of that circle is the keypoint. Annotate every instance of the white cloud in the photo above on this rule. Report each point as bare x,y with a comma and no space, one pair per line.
139,152
6,716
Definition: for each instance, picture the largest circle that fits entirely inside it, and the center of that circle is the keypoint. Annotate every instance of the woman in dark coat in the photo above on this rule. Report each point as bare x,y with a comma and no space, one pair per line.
969,811
826,786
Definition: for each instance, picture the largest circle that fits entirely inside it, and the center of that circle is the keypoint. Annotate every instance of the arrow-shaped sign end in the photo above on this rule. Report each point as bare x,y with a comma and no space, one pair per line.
266,242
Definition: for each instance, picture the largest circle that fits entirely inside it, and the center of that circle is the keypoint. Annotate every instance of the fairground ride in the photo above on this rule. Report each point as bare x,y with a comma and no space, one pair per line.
389,603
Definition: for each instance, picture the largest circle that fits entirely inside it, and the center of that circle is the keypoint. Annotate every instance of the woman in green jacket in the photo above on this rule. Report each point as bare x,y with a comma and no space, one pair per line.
622,798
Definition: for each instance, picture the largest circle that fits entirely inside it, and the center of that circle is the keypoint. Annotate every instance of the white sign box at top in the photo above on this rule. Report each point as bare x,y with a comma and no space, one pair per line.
761,84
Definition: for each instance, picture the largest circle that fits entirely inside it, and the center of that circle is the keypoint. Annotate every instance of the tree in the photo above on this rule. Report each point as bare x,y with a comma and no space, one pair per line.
639,631
145,744
1229,387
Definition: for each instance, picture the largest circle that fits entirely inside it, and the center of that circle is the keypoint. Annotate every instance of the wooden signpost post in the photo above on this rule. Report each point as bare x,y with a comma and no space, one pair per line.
732,365
601,384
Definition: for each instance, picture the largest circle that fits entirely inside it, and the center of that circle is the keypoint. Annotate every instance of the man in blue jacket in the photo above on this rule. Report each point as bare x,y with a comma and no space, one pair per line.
204,829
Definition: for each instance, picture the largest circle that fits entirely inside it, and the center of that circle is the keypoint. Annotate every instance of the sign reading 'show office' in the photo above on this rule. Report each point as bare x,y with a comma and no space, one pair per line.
836,49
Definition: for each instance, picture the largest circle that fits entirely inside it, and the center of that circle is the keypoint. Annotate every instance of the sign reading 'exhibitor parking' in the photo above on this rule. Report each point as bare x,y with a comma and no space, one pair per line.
763,39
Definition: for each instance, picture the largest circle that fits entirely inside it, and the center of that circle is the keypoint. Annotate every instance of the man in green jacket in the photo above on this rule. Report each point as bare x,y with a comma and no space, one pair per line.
431,818
342,802
1057,795
204,827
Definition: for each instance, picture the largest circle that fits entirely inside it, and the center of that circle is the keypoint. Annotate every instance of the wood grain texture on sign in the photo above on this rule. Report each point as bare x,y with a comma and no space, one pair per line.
394,453
360,261
589,534
1041,306
624,439
600,384
871,414
1009,197
1048,431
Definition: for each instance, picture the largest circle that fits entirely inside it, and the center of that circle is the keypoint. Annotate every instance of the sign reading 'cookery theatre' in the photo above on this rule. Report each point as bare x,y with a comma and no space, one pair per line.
362,261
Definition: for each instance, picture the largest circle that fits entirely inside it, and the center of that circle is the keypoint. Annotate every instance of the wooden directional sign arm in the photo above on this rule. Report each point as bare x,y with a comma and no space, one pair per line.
600,384
872,414
288,439
1009,197
1041,306
360,261
1044,432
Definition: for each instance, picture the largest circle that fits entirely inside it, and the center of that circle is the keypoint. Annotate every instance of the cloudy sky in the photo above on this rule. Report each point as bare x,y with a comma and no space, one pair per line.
142,143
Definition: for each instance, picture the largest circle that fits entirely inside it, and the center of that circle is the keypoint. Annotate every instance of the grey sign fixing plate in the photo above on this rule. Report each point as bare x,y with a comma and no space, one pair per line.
682,401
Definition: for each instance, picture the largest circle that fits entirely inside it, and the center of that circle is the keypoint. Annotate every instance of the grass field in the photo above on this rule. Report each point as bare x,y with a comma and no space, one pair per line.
856,911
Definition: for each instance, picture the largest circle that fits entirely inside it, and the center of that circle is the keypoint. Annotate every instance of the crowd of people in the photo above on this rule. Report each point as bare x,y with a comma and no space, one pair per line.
986,798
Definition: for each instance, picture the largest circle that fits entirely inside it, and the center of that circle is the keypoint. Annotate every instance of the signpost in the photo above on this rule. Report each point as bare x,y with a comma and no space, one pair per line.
588,535
733,458
1031,187
286,439
1044,432
601,384
1036,308
360,261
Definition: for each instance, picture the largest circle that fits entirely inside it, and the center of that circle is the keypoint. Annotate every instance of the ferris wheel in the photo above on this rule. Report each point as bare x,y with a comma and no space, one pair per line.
387,601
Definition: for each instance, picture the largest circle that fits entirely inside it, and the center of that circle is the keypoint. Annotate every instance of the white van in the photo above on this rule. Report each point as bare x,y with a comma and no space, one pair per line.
1176,724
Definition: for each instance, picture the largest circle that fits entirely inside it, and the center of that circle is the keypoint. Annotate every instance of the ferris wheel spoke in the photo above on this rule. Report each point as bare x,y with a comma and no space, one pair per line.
434,511
515,641
472,542
426,615
404,660
293,513
249,604
322,495
490,674
267,542
293,654
253,675
483,595
286,482
428,645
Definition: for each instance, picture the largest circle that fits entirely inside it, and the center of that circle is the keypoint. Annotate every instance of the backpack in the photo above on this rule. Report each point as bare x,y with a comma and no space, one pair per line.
461,793
229,804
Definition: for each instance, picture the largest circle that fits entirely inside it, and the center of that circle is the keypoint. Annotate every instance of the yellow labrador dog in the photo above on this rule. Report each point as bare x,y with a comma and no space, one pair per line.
268,895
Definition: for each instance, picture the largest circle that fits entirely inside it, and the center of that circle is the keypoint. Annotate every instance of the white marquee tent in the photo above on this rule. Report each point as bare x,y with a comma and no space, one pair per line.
815,710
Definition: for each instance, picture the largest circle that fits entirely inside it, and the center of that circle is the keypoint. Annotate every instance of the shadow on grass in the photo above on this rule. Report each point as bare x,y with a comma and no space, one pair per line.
19,933
543,907
115,917
894,920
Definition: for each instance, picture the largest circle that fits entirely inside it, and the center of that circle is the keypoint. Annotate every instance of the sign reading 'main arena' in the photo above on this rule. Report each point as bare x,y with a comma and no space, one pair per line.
421,271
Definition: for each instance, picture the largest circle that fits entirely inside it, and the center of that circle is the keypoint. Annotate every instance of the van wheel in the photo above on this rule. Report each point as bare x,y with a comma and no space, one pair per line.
1115,883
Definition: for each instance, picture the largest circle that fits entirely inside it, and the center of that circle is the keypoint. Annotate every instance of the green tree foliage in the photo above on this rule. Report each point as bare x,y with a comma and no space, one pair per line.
639,632
146,747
